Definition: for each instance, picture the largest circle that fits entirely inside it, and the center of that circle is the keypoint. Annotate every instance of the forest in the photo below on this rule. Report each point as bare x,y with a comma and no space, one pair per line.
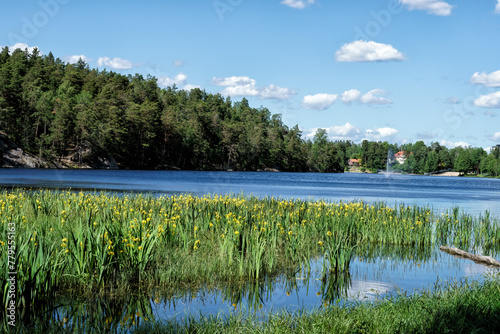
54,109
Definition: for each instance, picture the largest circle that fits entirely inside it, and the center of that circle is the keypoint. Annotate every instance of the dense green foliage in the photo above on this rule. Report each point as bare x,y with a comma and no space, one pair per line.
53,109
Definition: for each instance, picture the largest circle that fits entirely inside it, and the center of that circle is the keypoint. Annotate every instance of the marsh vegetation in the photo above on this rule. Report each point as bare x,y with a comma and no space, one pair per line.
90,245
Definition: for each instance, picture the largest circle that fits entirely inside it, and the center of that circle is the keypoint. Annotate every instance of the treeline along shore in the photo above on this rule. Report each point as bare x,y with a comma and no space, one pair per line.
56,114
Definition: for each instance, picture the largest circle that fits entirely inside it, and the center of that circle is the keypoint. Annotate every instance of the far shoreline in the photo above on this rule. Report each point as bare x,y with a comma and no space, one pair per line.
446,174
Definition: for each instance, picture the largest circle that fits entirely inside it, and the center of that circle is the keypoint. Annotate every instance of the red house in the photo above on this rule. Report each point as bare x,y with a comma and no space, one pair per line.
400,157
354,162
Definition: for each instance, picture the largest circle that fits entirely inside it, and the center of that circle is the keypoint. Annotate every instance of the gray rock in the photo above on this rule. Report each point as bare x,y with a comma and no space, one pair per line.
13,156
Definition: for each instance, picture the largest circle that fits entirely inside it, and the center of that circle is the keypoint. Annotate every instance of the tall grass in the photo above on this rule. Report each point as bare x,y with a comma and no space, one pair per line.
103,244
469,233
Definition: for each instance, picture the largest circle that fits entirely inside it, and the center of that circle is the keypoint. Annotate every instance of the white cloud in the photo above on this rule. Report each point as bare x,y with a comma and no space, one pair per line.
188,87
23,46
363,51
275,92
380,134
297,4
497,7
178,63
319,101
115,63
387,132
233,81
488,80
488,101
179,80
435,7
451,144
372,97
245,86
343,131
74,59
337,132
309,133
245,90
351,95
496,137
351,132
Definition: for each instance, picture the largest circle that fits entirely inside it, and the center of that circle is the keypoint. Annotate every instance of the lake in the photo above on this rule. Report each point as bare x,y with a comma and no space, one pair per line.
379,273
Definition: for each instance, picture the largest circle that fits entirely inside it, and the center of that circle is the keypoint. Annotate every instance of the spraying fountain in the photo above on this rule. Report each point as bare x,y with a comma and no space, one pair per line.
390,155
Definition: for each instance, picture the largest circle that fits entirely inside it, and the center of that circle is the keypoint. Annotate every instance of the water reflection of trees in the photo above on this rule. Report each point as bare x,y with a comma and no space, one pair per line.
78,316
373,252
334,286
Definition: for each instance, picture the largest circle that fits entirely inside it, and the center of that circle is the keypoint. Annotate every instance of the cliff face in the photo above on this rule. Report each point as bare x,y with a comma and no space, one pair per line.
13,156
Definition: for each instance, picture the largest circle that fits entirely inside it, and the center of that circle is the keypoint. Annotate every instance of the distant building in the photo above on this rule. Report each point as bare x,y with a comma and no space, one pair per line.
400,157
354,162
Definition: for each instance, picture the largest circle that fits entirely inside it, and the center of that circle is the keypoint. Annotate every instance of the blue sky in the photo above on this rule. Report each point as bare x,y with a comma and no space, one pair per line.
395,70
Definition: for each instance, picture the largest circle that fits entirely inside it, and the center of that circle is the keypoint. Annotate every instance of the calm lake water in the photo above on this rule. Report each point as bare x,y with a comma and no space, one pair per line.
378,274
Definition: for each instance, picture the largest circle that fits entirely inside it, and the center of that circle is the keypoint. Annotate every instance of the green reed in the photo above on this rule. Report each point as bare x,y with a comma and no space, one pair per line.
97,244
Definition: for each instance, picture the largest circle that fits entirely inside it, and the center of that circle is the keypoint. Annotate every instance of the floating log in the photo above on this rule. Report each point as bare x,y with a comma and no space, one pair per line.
479,259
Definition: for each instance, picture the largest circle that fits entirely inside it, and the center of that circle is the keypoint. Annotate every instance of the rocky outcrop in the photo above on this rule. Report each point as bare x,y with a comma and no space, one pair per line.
13,156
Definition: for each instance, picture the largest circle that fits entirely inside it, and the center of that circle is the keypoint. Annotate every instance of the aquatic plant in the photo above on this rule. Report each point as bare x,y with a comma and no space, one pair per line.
94,243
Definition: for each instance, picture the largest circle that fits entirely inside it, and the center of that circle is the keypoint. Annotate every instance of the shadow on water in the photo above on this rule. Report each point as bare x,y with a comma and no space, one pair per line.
74,315
375,272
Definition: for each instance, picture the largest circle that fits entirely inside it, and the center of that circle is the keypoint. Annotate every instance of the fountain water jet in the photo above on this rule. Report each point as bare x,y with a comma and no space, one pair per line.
390,156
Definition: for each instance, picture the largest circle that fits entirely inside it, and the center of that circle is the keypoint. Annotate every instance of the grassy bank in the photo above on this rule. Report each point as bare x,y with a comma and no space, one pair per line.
91,244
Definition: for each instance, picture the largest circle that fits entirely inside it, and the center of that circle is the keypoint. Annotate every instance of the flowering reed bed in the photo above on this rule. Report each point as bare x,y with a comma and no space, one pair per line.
105,244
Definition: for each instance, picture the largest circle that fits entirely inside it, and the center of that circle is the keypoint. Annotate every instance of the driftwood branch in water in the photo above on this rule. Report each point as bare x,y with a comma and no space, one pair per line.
480,259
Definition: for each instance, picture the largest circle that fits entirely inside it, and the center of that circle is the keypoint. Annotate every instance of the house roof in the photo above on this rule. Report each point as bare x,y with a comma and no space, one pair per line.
400,154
